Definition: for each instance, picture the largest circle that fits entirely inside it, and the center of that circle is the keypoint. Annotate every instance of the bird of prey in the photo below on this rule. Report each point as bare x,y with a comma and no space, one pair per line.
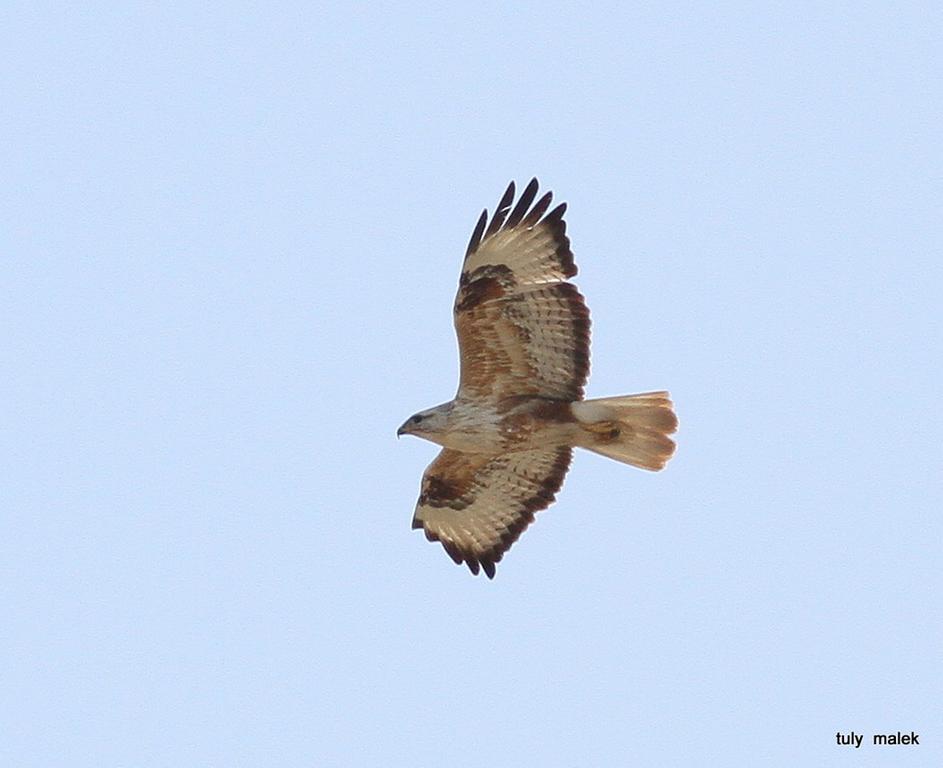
508,435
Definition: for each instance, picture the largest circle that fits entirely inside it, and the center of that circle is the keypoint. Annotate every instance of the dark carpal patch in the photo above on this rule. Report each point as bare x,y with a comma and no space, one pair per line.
478,292
437,492
483,284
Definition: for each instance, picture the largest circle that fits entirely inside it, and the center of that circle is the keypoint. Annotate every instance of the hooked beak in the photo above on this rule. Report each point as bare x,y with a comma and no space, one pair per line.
403,430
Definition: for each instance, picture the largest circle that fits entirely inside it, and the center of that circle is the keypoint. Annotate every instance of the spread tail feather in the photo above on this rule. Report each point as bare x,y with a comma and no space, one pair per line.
632,429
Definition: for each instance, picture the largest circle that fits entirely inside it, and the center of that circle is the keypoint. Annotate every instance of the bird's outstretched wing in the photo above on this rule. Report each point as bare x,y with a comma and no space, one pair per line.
478,505
522,328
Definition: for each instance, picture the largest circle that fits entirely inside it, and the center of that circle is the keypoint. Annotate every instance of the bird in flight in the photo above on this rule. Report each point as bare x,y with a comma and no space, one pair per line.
508,435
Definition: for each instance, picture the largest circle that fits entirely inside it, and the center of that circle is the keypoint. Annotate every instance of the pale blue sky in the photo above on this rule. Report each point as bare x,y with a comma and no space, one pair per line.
230,239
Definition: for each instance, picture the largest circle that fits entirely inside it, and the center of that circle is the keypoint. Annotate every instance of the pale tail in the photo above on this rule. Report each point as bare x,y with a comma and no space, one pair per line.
632,429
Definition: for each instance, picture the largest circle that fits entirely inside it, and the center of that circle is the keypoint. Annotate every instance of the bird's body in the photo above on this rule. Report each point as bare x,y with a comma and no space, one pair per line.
520,423
508,434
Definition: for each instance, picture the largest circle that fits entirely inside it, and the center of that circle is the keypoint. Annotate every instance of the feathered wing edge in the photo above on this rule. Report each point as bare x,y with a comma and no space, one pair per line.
523,216
477,506
514,306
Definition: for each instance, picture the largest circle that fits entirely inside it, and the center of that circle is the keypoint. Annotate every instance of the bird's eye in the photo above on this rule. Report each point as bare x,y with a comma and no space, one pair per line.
416,419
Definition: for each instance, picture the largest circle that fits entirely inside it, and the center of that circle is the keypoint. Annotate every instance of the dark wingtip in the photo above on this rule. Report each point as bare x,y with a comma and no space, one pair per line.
453,552
526,198
519,215
501,212
476,235
538,210
557,213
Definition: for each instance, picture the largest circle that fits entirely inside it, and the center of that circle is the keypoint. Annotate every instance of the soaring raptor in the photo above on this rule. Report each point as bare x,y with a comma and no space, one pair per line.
509,433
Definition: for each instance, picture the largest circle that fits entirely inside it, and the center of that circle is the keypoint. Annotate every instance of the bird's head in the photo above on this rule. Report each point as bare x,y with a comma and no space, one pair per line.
428,424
